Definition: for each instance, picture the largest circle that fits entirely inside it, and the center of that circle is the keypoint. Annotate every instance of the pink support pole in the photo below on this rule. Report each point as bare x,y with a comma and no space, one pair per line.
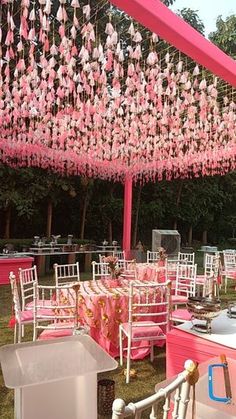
127,217
154,15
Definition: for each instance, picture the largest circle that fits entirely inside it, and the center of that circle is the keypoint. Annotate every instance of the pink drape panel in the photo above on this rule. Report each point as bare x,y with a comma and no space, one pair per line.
158,18
127,217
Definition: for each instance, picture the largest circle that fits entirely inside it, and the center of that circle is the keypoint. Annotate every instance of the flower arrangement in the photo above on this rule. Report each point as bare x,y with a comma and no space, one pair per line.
113,268
162,253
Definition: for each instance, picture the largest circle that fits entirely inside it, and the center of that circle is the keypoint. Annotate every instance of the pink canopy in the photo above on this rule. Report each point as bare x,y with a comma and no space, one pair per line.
79,105
104,106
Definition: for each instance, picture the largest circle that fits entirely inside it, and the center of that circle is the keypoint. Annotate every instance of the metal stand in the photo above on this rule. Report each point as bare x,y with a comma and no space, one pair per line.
231,310
201,327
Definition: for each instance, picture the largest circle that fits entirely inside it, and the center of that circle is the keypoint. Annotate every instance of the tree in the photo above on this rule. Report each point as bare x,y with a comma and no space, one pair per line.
53,188
226,223
191,16
16,194
203,200
225,35
87,188
105,211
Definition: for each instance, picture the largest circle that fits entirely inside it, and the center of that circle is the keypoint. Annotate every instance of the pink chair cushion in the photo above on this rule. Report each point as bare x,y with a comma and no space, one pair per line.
175,299
181,314
200,279
57,333
144,331
28,315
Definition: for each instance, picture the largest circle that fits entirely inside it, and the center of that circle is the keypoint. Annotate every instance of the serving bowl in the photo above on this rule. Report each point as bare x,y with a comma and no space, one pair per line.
203,309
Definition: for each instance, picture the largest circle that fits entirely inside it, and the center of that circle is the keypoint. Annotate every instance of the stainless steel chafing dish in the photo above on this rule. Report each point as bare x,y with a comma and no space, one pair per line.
203,309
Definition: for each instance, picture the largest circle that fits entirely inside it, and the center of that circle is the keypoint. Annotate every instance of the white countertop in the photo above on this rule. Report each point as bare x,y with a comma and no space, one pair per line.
223,330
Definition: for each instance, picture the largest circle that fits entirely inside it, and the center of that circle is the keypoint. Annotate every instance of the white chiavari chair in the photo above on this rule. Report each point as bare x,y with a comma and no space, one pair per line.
100,270
211,273
185,284
188,258
58,318
153,256
67,273
229,270
185,287
27,278
174,394
21,317
119,254
149,313
127,268
171,268
24,317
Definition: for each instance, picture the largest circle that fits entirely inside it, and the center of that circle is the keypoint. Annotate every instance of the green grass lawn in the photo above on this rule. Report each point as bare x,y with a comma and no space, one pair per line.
148,374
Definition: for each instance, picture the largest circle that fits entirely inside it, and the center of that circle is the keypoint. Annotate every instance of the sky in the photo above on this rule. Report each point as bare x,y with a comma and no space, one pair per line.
208,10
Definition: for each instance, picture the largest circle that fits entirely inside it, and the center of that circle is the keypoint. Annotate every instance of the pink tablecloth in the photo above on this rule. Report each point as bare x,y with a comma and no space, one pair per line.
103,305
150,272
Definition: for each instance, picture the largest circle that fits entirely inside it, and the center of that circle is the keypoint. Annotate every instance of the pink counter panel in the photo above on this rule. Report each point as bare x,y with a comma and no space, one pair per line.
12,264
181,346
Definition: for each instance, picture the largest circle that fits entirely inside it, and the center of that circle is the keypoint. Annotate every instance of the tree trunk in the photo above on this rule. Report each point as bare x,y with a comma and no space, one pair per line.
110,231
7,223
178,202
135,231
87,189
175,225
204,237
84,212
190,235
49,219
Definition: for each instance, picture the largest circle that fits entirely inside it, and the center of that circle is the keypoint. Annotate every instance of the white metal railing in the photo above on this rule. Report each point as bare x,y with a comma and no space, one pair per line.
178,403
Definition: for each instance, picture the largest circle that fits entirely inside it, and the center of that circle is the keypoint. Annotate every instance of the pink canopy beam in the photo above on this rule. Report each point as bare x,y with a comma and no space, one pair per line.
127,219
154,15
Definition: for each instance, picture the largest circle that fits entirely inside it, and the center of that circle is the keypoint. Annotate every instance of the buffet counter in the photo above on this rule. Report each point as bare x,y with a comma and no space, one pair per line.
12,263
184,343
44,259
45,256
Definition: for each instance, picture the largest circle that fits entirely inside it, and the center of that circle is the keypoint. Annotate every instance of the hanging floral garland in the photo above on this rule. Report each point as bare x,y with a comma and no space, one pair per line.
81,101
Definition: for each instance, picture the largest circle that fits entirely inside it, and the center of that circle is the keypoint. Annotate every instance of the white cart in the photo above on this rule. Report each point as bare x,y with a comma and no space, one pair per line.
55,379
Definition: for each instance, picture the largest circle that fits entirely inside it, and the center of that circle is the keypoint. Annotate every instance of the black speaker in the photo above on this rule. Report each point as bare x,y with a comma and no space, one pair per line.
168,239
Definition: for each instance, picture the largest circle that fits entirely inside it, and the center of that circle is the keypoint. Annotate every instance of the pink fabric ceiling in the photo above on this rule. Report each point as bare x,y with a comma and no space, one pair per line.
99,104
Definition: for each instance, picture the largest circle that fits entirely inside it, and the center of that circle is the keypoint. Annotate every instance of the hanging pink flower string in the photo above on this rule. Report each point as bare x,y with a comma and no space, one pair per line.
79,105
